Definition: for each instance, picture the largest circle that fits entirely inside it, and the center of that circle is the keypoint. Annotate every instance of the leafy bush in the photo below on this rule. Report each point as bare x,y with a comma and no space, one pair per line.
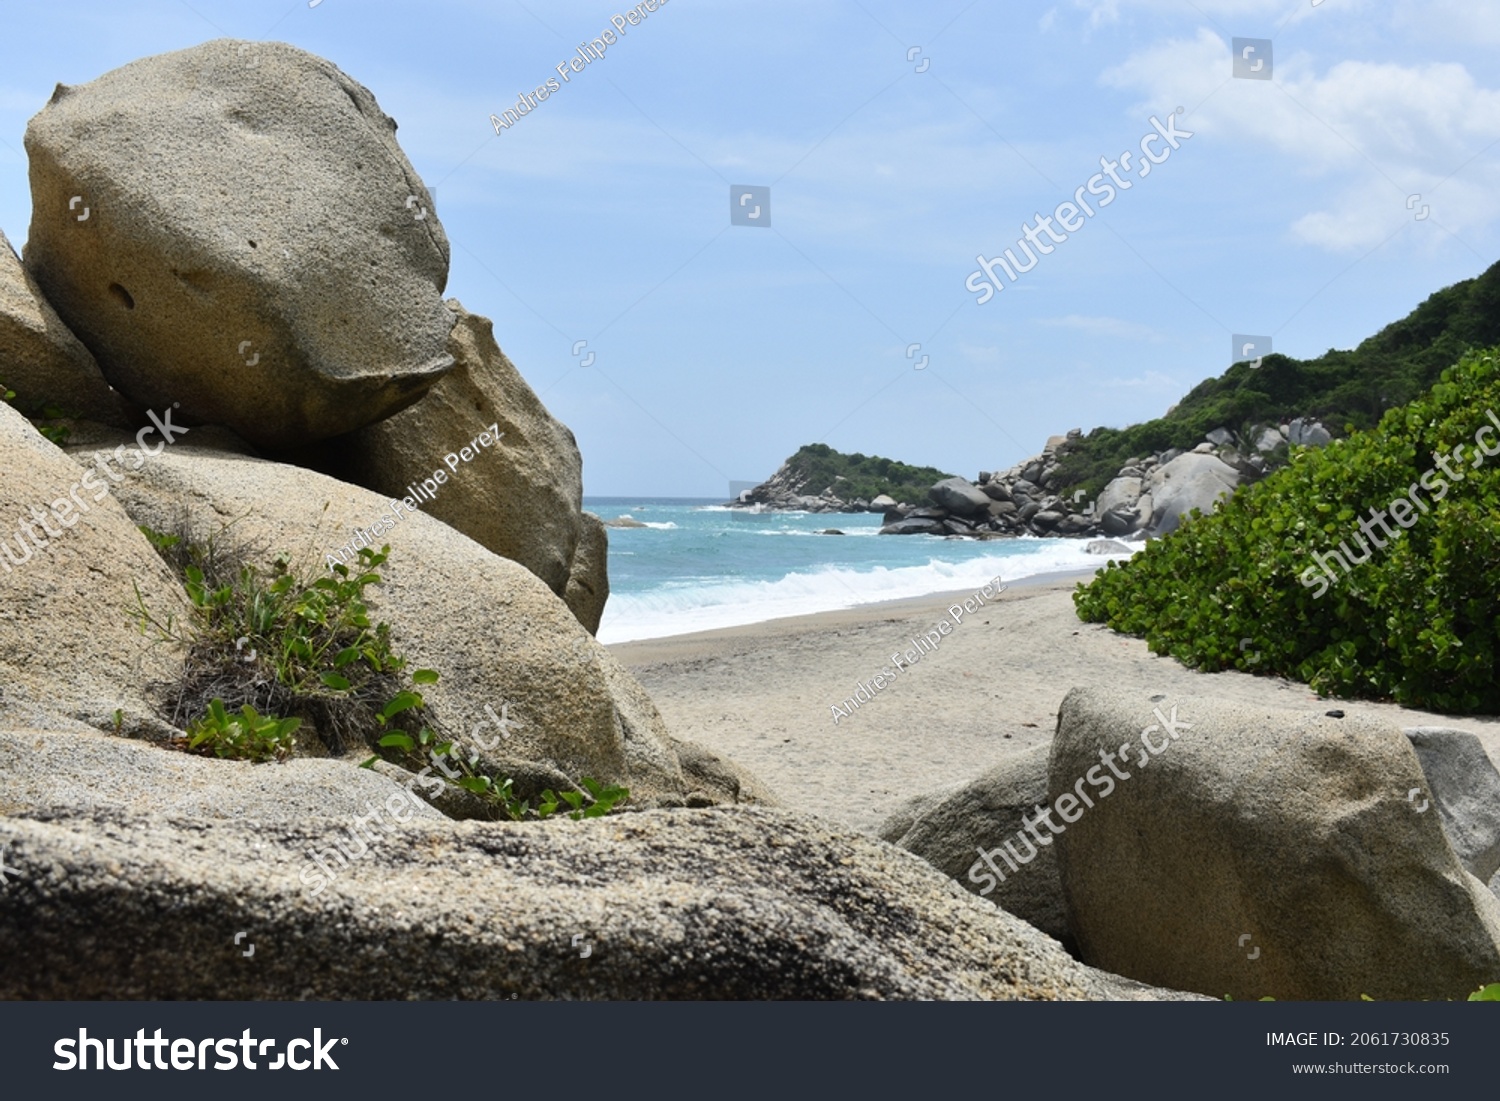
1416,623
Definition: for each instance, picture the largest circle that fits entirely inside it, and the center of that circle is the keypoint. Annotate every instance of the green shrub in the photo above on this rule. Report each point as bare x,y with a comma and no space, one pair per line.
1416,623
248,736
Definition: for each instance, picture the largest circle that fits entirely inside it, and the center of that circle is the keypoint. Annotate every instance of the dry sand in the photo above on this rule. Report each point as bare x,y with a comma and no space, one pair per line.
762,694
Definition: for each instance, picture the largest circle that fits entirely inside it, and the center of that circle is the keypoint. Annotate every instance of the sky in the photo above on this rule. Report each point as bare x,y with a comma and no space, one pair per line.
1345,175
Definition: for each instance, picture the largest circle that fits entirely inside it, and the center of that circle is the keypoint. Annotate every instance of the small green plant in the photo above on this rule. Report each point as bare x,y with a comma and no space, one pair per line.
604,799
57,433
497,792
279,645
248,736
289,646
1490,993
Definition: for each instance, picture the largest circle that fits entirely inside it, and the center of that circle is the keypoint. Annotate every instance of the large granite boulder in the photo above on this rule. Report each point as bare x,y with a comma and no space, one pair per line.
588,576
233,227
953,831
1304,432
960,496
742,903
1120,493
40,358
914,525
1187,482
1254,852
81,771
71,644
1466,789
522,498
497,636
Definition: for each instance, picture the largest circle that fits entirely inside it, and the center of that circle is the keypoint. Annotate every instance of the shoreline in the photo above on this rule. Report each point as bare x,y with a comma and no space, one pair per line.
763,695
878,609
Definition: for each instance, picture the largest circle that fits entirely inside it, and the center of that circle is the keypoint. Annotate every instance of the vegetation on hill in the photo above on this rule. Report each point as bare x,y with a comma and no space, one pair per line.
1347,390
1413,618
817,467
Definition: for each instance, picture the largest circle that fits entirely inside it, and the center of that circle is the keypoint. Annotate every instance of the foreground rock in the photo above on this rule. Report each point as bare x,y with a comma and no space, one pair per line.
233,227
1466,789
946,830
493,631
81,772
788,909
521,497
70,646
1260,853
41,360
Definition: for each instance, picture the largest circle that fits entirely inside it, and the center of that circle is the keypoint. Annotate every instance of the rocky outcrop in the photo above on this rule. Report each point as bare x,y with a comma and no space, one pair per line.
233,229
1149,497
1023,500
41,360
785,491
521,497
949,828
1243,851
494,632
737,903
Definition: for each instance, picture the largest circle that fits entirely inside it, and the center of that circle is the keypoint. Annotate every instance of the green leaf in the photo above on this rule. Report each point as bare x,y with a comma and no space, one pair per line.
424,676
333,680
398,740
402,701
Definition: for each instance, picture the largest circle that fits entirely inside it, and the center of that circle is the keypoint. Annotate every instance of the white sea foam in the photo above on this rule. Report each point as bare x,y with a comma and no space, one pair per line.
706,603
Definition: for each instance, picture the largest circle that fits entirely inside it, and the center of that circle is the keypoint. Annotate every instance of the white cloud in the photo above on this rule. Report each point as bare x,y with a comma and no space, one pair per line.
1374,132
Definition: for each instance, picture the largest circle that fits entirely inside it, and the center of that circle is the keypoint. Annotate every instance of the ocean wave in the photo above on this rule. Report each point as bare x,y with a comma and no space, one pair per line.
702,604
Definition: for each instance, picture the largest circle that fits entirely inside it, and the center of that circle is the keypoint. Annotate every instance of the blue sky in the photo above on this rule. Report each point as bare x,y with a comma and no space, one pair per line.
900,142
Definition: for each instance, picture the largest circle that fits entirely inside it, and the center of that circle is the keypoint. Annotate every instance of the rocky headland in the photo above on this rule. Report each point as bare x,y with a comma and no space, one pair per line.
1148,496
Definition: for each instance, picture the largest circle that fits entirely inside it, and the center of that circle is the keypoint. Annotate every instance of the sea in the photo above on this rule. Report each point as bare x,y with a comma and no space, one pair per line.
697,564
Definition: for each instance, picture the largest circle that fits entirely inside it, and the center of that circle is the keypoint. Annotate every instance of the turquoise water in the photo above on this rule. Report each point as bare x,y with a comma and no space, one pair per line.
698,566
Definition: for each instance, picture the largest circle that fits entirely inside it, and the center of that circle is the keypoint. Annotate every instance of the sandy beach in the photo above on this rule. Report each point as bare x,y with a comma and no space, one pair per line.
762,694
